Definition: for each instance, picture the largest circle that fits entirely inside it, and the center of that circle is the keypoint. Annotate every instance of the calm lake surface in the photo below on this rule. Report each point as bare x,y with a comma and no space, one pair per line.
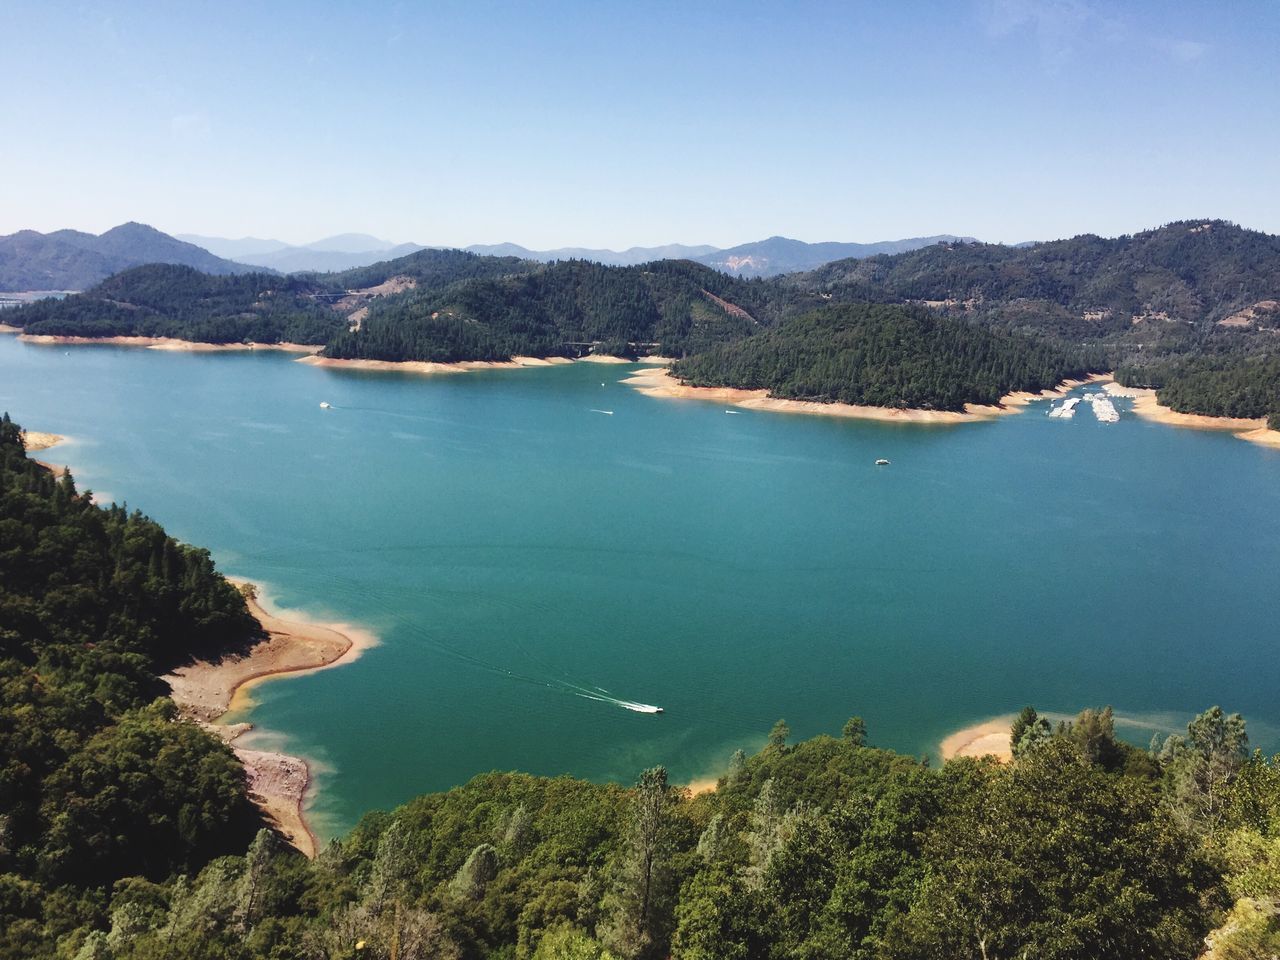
519,554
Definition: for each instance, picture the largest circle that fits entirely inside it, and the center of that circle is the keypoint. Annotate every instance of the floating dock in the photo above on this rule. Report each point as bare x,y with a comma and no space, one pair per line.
1103,408
1066,410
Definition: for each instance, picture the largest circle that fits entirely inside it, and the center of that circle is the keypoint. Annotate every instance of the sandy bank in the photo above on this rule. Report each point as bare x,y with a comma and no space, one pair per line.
1147,405
39,440
988,739
205,691
170,343
659,382
429,367
703,785
9,328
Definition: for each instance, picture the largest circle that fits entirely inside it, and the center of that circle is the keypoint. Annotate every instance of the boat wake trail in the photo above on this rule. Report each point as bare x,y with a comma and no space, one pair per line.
556,684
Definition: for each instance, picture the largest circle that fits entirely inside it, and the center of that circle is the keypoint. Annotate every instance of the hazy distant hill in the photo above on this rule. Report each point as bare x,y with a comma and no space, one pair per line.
768,258
630,257
341,252
763,258
234,249
71,260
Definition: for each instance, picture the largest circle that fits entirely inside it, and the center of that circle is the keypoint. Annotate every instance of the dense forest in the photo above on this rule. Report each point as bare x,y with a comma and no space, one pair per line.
1192,308
97,781
164,300
125,833
563,309
886,356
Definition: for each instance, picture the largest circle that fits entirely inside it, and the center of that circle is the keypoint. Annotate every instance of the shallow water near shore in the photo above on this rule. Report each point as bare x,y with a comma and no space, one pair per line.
529,561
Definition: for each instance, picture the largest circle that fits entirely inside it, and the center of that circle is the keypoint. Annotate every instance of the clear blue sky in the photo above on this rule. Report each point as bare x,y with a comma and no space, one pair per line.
609,123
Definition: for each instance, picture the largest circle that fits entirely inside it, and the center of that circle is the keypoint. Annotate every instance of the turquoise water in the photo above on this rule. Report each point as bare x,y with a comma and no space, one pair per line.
514,549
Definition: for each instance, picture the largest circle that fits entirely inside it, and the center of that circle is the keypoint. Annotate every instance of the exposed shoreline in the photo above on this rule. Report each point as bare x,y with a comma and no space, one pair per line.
206,691
660,382
162,343
433,367
34,440
1147,405
991,738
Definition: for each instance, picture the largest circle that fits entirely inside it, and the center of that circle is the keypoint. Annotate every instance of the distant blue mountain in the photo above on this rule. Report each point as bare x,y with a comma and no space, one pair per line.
767,258
72,260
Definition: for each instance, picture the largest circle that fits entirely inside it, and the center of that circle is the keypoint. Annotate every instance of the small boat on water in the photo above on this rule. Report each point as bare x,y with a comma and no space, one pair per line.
324,405
882,462
607,413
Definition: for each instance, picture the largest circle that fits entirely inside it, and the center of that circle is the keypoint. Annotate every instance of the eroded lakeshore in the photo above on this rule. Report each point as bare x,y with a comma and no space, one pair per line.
660,382
1147,405
991,738
206,691
162,343
433,368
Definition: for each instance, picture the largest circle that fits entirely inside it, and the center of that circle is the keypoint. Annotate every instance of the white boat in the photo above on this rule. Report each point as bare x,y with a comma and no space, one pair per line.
608,413
324,405
882,462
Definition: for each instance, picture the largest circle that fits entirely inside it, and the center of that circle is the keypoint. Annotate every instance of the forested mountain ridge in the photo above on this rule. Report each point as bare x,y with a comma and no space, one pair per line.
162,300
72,260
566,308
1192,309
886,355
1190,271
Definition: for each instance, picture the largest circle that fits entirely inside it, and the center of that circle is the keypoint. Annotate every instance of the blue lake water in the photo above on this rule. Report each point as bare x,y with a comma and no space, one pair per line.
519,554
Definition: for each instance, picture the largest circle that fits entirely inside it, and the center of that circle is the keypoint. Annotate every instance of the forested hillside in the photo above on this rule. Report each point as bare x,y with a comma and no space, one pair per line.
1084,847
563,309
98,782
886,356
173,301
1192,308
1191,272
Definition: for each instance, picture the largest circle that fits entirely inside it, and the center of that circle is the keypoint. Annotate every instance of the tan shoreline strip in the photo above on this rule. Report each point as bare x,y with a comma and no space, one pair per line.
168,343
991,738
35,440
205,691
1148,406
660,382
431,367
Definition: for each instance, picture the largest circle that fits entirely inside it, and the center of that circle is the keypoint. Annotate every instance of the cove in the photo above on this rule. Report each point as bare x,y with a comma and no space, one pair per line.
528,561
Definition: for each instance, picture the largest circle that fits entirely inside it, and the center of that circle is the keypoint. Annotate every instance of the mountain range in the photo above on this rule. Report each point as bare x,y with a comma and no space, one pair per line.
761,258
72,260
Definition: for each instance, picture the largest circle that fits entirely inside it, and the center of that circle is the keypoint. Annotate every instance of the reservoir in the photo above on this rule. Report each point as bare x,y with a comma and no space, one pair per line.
535,569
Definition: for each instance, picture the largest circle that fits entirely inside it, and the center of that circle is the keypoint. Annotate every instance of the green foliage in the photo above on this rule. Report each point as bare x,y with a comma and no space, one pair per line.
97,781
1202,766
1029,729
1055,858
563,309
883,356
164,300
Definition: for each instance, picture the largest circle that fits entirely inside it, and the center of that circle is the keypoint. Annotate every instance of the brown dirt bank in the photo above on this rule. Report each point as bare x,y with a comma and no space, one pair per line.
659,382
205,691
1147,405
168,343
991,738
